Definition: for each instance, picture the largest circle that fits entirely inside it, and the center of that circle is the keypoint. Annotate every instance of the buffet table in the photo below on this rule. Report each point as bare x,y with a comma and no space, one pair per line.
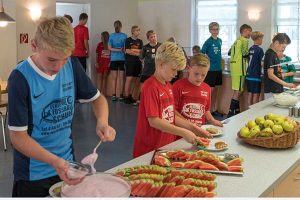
264,169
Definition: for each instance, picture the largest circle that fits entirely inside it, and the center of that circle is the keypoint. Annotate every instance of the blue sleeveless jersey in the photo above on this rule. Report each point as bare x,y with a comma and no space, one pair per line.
43,106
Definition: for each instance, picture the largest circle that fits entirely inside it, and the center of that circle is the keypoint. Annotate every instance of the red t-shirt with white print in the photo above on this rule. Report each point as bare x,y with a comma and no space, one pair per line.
192,101
156,101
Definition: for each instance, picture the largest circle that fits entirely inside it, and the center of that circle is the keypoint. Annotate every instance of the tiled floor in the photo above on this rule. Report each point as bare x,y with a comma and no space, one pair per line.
122,118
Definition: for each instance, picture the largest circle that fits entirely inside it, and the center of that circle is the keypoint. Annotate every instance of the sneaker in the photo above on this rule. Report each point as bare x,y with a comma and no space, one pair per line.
121,98
114,98
131,99
127,100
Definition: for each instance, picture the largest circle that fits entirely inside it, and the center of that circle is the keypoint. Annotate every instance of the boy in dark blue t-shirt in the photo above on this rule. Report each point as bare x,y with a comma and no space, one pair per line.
253,76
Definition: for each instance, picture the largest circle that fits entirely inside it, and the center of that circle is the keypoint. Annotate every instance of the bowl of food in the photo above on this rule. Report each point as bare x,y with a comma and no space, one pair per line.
77,170
98,185
284,99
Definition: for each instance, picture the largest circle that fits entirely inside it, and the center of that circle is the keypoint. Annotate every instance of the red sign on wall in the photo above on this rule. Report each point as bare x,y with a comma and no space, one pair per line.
23,38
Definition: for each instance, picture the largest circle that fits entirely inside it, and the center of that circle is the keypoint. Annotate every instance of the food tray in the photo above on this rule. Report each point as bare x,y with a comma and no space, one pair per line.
226,157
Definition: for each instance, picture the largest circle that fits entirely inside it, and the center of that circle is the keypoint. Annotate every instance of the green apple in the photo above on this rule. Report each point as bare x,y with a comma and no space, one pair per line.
271,116
288,127
268,123
259,119
261,124
293,122
277,129
254,131
245,132
266,132
251,124
279,120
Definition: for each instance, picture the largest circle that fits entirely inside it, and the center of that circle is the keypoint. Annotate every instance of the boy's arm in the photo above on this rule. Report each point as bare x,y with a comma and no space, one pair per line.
204,48
23,143
142,53
114,49
212,120
164,126
184,123
272,76
103,130
86,45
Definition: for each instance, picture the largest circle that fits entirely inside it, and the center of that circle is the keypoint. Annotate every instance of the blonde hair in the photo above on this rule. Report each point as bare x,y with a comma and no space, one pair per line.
212,24
169,52
201,60
55,34
256,35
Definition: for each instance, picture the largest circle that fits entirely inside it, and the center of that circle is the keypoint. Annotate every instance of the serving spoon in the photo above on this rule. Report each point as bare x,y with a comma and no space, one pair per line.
91,158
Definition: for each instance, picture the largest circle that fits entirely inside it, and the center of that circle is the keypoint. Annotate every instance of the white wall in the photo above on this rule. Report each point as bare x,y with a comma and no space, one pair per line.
266,21
26,25
103,15
8,40
167,18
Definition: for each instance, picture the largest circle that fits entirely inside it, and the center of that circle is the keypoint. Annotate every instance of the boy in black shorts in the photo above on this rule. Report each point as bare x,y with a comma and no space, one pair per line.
212,48
133,64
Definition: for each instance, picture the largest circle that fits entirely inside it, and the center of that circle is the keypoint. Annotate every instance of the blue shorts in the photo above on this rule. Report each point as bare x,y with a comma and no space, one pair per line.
253,86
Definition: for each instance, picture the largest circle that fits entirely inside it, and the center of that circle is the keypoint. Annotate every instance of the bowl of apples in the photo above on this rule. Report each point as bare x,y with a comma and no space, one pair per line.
271,131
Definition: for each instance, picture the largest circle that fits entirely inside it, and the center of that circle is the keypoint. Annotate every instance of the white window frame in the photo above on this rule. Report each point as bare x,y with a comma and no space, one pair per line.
289,25
227,26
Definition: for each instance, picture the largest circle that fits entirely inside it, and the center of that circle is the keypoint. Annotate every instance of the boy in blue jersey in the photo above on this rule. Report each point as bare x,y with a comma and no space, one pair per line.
42,92
212,48
253,79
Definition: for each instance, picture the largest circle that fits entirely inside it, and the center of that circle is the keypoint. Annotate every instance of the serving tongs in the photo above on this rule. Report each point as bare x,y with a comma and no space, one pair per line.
228,156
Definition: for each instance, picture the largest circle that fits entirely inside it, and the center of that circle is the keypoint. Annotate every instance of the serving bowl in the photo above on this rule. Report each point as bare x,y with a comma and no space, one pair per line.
77,170
98,185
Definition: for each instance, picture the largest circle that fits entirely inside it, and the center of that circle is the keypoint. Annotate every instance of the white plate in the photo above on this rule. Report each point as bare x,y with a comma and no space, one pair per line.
220,129
212,147
52,188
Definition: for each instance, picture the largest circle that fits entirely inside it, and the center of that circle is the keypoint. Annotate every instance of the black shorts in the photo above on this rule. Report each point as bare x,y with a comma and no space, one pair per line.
253,86
133,69
213,78
117,65
39,188
144,78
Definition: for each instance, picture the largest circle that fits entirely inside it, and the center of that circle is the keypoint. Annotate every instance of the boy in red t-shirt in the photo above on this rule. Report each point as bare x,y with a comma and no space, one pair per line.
81,36
193,96
102,61
157,123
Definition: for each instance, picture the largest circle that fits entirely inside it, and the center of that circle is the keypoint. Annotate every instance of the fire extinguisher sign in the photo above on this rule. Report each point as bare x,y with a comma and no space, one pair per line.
23,38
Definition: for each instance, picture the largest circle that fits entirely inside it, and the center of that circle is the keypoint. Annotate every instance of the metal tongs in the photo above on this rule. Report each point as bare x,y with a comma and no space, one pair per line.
228,156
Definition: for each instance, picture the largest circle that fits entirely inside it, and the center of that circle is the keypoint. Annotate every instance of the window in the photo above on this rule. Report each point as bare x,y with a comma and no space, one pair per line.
222,11
288,22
